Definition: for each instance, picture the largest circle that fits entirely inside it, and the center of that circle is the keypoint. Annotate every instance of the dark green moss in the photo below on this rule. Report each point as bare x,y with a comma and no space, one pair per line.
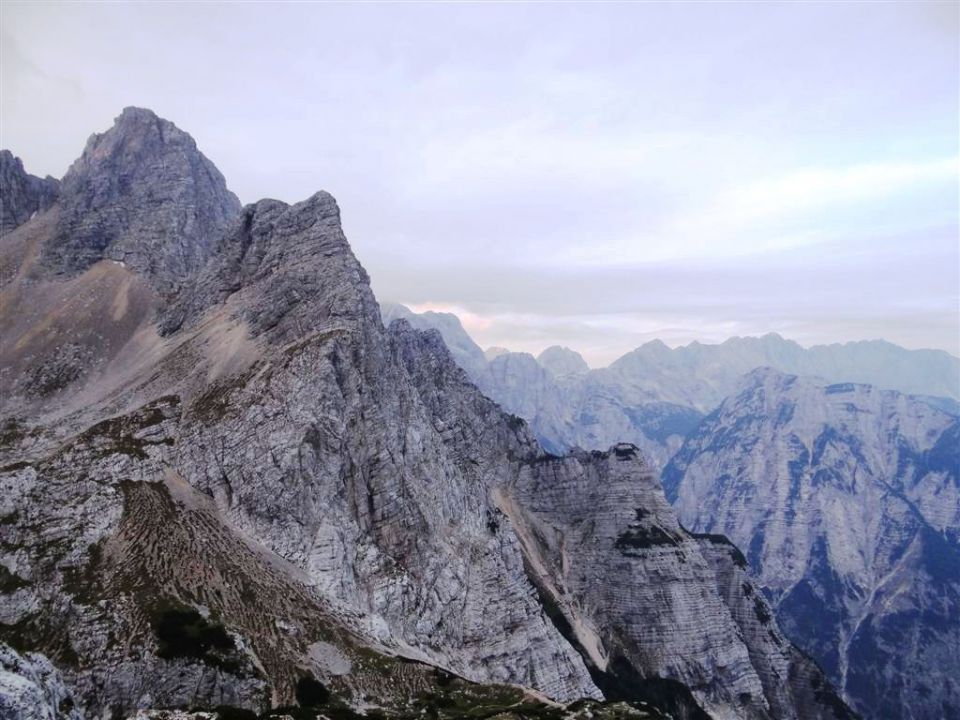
626,452
621,681
83,582
14,467
34,633
717,539
11,432
515,423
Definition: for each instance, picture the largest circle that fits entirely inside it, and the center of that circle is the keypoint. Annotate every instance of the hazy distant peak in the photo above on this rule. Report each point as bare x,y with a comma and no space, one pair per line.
655,348
494,352
560,360
465,351
766,376
517,357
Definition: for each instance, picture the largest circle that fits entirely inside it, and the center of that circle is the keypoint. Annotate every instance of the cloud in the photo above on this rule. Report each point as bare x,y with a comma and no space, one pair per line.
574,173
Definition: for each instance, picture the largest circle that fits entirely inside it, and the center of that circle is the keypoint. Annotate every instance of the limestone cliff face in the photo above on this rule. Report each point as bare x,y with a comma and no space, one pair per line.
464,350
32,689
846,499
22,195
254,460
641,594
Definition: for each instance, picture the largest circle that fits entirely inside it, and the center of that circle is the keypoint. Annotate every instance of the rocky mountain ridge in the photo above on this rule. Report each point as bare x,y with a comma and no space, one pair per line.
654,395
225,481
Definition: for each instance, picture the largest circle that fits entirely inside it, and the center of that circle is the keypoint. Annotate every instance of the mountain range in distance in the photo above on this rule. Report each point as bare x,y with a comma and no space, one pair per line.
654,395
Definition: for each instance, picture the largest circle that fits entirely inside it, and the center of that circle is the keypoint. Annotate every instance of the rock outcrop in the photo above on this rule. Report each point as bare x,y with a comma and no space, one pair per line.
465,351
22,195
847,500
255,487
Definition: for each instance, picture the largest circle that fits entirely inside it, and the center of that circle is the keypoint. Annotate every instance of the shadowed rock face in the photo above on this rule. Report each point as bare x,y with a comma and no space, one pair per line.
266,467
141,194
847,500
21,194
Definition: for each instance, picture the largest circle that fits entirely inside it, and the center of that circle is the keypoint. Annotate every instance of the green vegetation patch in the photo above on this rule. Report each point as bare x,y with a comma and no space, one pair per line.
120,432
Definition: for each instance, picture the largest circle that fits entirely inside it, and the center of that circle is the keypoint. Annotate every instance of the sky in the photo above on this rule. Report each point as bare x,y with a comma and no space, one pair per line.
593,175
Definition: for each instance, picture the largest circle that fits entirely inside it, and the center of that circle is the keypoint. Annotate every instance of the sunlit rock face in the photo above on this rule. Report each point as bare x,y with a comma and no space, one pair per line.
228,476
846,500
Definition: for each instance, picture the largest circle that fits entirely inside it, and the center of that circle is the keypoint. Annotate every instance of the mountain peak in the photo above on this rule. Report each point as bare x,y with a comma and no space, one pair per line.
133,112
495,351
560,360
141,193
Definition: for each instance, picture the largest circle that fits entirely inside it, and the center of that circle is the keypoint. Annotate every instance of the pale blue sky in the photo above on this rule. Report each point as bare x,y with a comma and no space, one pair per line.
593,175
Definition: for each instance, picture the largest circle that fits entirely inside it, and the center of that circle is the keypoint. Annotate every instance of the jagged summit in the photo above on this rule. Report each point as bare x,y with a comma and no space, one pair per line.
275,262
142,194
466,352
